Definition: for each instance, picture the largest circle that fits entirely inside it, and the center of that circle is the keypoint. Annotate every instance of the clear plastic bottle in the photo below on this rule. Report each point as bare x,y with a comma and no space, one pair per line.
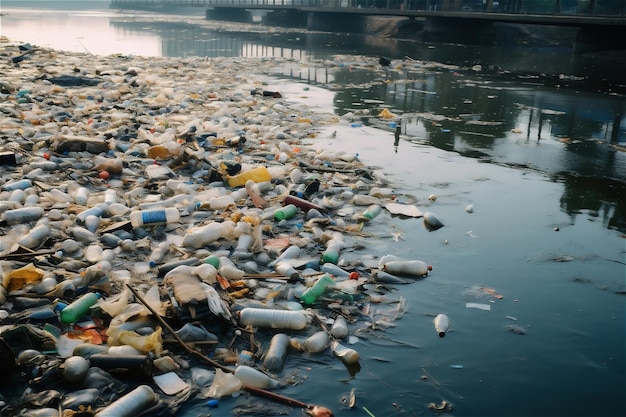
77,309
155,216
81,196
276,319
158,253
22,215
311,294
277,352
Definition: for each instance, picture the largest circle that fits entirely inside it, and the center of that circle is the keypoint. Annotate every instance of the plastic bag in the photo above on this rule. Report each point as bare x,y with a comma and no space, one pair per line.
223,384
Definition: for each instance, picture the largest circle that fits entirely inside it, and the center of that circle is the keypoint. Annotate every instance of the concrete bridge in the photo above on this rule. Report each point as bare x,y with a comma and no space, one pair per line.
601,23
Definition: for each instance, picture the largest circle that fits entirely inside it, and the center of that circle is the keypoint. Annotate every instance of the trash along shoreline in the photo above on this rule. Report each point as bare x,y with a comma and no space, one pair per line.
169,233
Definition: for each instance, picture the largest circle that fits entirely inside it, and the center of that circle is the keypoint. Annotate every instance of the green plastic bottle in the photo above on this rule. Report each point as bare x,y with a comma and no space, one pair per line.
77,309
311,294
285,212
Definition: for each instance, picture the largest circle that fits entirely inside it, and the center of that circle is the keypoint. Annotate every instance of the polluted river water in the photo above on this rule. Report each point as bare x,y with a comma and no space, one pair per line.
528,267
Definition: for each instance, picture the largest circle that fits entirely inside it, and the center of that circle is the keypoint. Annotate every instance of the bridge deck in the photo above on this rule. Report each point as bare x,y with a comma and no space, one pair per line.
456,9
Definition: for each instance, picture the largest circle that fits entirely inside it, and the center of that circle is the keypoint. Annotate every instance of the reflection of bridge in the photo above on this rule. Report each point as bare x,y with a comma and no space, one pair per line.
601,21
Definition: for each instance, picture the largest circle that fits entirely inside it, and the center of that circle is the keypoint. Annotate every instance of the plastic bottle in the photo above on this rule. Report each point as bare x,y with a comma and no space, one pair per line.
17,185
411,268
285,212
158,253
258,174
276,319
22,215
371,212
110,197
311,294
98,210
155,216
442,324
317,342
251,377
77,309
277,352
348,356
81,196
331,254
35,237
335,270
130,404
286,269
339,329
137,366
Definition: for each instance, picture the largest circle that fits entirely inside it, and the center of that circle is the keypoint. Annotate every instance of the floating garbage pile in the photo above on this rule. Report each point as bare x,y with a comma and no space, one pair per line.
167,235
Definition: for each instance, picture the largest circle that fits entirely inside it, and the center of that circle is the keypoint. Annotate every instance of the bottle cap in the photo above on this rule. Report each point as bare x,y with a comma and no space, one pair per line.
213,403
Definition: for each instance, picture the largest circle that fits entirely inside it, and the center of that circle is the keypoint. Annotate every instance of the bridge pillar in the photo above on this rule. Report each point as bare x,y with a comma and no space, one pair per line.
336,22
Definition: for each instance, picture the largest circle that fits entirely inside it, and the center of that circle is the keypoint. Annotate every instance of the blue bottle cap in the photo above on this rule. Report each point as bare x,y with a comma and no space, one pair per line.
213,403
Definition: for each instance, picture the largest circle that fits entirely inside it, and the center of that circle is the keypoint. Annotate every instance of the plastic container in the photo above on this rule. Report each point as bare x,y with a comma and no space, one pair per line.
277,352
347,355
158,253
98,210
35,237
130,404
258,174
81,196
339,329
17,185
410,268
311,294
371,212
123,366
335,270
276,319
251,377
331,254
442,324
22,215
77,309
285,212
155,216
317,342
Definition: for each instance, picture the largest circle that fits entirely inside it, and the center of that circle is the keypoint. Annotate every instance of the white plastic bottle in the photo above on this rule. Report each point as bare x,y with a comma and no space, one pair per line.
81,196
130,404
442,324
339,329
251,377
411,268
155,216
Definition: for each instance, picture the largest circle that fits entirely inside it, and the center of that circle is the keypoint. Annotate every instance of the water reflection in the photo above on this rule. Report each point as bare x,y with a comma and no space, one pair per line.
576,138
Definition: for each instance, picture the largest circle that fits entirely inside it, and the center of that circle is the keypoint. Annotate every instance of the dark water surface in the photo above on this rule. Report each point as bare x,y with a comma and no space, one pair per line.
536,148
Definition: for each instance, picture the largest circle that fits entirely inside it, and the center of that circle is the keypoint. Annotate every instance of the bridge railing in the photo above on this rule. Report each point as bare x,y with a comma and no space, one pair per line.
554,7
